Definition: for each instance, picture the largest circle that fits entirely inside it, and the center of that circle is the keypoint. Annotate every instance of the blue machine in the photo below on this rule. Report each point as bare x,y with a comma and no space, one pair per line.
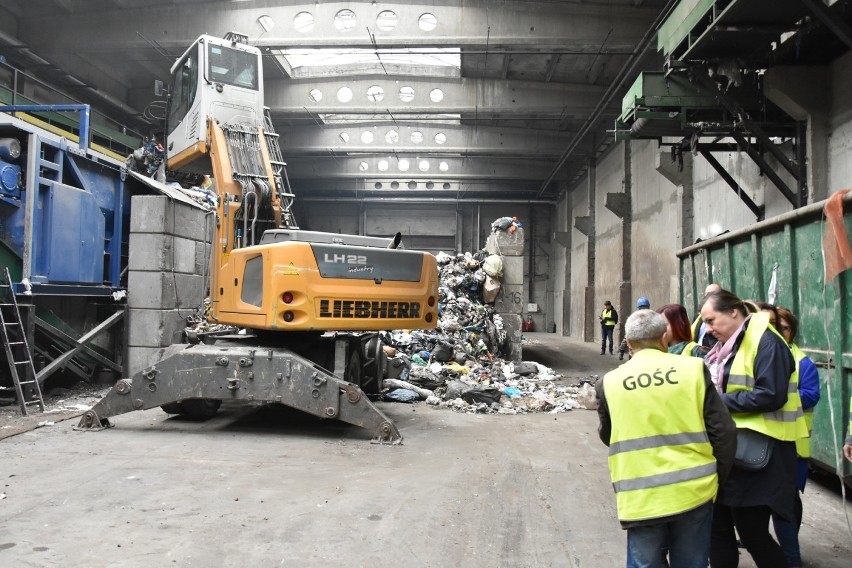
64,212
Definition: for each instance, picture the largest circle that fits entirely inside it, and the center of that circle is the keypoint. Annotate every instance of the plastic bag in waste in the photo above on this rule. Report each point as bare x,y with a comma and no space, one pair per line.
526,368
442,352
512,392
487,395
587,397
493,266
501,224
455,389
489,292
402,395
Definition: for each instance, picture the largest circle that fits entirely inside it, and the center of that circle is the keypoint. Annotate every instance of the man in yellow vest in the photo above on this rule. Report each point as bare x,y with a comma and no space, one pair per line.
609,319
671,440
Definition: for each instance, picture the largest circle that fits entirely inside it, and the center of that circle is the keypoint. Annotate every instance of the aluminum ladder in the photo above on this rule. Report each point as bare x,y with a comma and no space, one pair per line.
18,353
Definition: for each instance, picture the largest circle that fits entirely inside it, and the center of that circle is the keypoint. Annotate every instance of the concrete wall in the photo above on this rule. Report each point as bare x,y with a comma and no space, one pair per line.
655,229
580,267
168,257
840,125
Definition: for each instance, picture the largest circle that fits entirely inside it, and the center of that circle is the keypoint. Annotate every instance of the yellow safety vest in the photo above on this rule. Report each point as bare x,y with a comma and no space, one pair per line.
696,327
687,350
803,445
786,423
607,318
660,458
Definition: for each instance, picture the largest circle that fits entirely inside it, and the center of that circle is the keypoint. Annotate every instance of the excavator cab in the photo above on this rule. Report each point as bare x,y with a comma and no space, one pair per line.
215,77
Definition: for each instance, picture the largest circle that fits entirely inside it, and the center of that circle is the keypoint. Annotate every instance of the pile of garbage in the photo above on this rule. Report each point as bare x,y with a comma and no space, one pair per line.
458,365
499,387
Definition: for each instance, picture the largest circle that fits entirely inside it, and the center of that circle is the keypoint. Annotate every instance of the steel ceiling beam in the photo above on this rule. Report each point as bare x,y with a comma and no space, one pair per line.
500,25
421,138
509,98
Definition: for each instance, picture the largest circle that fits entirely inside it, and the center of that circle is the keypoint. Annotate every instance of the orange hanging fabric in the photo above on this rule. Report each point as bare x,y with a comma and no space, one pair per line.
835,241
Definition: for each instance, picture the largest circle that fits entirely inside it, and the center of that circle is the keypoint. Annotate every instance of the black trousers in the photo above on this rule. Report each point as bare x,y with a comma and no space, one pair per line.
752,525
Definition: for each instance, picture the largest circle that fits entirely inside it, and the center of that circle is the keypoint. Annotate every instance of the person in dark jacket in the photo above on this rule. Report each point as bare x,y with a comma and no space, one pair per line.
752,367
609,319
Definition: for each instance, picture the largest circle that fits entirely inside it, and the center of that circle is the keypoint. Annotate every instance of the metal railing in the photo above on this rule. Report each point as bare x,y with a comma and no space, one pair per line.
41,97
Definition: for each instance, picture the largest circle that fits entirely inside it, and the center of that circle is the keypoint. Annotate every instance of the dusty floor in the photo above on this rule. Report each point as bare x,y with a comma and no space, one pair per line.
273,487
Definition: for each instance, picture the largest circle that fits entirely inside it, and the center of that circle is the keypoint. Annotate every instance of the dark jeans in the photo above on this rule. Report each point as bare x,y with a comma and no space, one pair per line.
788,534
752,524
606,332
687,539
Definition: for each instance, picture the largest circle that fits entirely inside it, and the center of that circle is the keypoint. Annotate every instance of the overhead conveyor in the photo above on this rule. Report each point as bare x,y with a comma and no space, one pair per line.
711,90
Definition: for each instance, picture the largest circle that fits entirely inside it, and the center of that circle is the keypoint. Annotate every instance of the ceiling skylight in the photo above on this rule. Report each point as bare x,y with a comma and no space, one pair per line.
423,56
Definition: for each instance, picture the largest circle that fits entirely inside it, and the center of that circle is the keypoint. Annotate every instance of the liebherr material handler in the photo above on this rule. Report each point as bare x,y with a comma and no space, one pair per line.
311,301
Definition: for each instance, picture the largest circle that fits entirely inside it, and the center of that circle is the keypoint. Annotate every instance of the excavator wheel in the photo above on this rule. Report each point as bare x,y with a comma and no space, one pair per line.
173,408
355,365
201,408
194,408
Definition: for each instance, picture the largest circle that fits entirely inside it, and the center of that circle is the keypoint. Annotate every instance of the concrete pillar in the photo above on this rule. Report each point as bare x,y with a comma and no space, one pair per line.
677,168
625,289
510,301
565,240
591,319
804,93
169,256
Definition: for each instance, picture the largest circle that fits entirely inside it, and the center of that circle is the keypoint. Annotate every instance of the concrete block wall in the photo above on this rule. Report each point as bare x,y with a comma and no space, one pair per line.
510,301
167,267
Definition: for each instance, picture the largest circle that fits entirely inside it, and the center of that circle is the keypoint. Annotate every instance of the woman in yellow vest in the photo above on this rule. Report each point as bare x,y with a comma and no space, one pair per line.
754,370
788,326
678,335
671,440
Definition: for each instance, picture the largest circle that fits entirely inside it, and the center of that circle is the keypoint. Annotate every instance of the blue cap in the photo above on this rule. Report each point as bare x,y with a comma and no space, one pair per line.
643,302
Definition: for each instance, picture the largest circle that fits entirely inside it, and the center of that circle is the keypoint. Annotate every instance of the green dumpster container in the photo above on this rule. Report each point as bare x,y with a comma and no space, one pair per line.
790,246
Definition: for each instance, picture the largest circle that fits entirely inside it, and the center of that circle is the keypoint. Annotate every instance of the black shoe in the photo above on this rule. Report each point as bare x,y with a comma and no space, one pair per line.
602,353
621,356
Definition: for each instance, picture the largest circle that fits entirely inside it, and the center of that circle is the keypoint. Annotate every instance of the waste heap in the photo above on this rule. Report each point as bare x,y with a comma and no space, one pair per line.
459,364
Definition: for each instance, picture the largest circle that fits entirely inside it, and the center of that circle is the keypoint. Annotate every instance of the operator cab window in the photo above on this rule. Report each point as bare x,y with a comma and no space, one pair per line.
184,87
233,67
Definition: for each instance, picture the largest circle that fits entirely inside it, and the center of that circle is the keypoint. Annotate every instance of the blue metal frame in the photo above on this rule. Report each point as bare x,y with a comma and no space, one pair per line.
84,110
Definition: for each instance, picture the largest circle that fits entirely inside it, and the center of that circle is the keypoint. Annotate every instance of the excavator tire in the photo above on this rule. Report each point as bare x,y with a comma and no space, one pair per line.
194,408
200,408
172,408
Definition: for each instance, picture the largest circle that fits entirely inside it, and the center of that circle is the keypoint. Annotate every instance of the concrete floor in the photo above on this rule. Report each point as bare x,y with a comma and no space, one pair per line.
273,487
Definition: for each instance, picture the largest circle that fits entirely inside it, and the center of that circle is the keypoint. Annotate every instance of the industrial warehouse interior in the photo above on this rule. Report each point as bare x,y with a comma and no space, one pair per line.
312,283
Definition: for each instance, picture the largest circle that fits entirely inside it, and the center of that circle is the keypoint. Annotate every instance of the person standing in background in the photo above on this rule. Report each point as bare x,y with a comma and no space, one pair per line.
699,329
609,319
642,303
